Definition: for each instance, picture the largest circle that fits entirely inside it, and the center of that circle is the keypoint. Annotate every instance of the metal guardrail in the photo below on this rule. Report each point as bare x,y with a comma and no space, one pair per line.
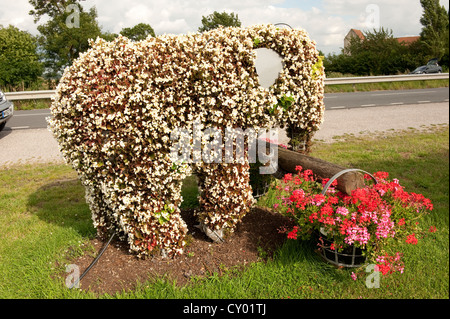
46,94
387,78
29,95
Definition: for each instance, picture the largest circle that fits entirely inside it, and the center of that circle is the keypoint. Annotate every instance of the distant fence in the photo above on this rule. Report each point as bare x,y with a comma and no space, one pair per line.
46,94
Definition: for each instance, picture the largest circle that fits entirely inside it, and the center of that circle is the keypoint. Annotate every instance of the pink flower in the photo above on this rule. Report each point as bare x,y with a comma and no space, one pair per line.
354,276
342,210
318,199
357,234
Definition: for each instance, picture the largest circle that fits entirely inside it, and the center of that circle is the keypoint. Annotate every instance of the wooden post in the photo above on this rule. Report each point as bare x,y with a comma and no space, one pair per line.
288,160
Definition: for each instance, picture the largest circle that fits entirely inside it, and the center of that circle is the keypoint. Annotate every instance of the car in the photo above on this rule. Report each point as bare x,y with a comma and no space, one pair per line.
431,67
6,110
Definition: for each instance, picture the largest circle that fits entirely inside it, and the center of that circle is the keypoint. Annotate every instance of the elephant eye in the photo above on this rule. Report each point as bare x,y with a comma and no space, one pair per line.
268,66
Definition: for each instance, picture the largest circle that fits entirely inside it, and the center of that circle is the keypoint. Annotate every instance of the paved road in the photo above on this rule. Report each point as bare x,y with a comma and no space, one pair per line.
385,98
36,118
32,119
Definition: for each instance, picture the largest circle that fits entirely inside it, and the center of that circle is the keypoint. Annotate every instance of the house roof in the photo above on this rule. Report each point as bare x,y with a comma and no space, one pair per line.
403,40
408,40
358,33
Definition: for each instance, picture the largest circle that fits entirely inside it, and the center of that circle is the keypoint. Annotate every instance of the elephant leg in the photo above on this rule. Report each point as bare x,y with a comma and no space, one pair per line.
147,216
101,213
225,198
152,217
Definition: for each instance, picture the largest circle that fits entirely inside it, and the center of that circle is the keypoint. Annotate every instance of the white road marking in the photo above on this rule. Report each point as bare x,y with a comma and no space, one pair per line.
397,103
19,127
402,93
364,105
338,107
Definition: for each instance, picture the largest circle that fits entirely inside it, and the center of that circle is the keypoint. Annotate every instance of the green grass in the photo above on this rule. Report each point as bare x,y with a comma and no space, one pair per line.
44,221
21,105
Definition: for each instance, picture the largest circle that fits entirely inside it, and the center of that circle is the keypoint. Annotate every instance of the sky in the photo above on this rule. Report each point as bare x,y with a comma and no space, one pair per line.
326,21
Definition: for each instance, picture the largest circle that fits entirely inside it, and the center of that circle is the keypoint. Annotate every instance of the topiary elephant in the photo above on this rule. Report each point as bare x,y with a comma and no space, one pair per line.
116,106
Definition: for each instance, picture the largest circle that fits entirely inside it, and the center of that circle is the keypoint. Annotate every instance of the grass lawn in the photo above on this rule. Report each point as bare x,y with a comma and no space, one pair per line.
44,220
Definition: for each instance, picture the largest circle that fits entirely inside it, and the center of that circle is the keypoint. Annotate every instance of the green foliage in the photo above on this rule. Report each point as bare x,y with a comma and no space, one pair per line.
317,68
61,41
217,19
138,32
435,35
18,57
108,36
256,42
51,8
285,102
378,54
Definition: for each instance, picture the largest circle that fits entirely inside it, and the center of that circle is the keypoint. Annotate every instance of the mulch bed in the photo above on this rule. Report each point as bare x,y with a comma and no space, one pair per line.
118,270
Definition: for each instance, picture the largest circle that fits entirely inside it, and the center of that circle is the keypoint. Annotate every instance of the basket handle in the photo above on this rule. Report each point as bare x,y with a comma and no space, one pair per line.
342,173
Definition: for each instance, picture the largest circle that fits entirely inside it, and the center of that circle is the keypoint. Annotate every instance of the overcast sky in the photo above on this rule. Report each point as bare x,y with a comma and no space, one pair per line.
326,21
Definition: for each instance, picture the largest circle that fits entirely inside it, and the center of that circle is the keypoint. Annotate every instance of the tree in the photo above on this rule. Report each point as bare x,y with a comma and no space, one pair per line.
108,36
217,19
376,54
65,35
138,32
435,21
51,8
18,57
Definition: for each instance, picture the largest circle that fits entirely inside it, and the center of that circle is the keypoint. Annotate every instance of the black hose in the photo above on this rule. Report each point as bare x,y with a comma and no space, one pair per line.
93,262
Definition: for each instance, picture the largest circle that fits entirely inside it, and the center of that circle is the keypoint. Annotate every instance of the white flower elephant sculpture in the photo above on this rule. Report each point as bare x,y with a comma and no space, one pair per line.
117,104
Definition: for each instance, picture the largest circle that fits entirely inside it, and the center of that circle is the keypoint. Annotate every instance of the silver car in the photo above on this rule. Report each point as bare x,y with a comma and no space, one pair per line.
6,110
431,67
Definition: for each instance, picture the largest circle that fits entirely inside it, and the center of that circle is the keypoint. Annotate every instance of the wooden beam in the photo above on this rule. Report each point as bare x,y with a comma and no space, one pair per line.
288,160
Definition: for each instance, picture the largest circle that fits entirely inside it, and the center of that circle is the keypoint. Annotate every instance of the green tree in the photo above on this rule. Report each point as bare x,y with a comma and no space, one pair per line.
18,57
108,36
217,19
51,8
434,35
377,54
138,32
65,35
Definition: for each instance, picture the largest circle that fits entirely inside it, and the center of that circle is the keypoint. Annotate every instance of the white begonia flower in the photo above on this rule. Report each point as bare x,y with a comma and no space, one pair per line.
174,82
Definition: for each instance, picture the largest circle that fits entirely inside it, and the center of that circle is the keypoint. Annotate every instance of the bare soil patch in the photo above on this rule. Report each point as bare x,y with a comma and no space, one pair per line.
256,238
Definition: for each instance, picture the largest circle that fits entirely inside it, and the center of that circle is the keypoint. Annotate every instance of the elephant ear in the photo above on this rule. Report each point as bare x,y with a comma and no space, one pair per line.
268,66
